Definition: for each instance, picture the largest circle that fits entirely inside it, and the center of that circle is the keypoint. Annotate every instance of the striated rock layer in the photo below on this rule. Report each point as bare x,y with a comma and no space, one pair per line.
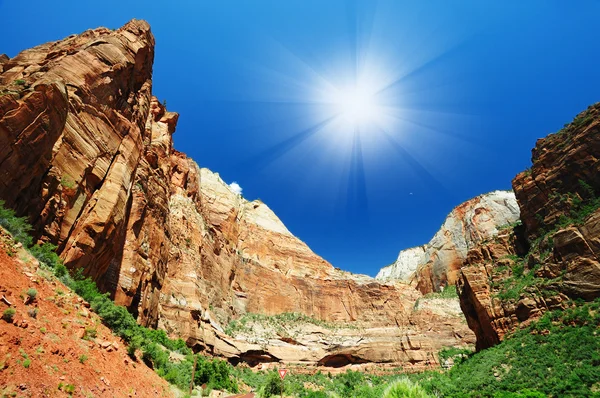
87,153
553,257
437,263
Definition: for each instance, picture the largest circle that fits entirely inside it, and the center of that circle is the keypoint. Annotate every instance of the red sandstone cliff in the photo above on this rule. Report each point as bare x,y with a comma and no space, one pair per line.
553,257
87,153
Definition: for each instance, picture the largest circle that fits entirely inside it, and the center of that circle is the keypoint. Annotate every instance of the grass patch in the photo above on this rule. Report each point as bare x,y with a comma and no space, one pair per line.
449,292
9,314
67,182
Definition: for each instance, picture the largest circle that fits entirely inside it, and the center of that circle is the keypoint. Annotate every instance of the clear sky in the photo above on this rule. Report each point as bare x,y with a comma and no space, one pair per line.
459,92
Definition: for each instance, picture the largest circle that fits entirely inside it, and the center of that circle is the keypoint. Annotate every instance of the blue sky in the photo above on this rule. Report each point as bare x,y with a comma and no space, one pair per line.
470,86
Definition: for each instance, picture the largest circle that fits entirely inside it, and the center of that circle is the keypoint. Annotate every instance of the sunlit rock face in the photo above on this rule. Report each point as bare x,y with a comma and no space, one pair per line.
437,263
86,152
405,265
558,243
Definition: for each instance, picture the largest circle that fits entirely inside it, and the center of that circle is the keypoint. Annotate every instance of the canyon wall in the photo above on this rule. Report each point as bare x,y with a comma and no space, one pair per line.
86,152
437,264
553,257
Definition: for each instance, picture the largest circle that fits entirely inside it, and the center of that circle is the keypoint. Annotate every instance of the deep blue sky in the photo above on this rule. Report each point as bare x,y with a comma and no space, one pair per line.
477,81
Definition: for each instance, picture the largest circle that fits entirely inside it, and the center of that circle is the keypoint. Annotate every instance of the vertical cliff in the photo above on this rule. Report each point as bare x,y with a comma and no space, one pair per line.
553,257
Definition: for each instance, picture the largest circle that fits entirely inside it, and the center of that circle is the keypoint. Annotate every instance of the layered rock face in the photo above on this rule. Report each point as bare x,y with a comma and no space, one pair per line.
564,167
510,282
87,154
437,264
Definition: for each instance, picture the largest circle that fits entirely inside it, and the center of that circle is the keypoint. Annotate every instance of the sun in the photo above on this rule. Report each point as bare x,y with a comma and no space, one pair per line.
357,106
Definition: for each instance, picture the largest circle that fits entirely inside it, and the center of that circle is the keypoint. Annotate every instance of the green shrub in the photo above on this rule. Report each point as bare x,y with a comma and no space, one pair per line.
89,333
9,314
61,271
215,373
67,182
46,255
404,388
32,293
20,82
449,292
83,358
26,363
17,226
273,386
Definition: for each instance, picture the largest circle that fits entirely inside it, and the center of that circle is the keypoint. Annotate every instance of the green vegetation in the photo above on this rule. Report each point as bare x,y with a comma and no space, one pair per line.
582,206
404,388
449,292
454,353
67,182
68,388
513,225
20,82
9,314
89,334
46,254
522,277
32,293
279,322
17,226
557,356
83,358
272,386
155,345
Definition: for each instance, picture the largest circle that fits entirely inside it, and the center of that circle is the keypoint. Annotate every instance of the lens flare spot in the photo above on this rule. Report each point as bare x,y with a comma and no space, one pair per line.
357,106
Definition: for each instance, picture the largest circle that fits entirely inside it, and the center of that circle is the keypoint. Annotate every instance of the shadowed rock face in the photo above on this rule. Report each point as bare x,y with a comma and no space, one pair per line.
87,153
563,257
436,264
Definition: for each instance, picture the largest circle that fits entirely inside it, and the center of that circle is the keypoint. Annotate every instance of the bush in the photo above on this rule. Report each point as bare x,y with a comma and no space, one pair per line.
215,373
9,314
273,386
32,294
61,271
17,226
46,255
404,388
89,333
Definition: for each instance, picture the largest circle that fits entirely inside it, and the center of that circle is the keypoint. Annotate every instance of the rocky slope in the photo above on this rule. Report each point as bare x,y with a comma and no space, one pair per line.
54,345
552,258
87,154
437,263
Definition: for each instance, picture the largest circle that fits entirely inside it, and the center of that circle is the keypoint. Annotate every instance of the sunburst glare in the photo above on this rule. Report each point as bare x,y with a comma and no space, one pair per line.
370,105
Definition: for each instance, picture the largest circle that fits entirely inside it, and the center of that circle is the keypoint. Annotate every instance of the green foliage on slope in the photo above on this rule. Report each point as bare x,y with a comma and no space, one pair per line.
154,345
558,356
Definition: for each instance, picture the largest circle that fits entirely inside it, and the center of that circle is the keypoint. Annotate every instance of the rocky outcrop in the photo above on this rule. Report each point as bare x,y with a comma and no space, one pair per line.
552,258
437,264
406,264
565,168
87,153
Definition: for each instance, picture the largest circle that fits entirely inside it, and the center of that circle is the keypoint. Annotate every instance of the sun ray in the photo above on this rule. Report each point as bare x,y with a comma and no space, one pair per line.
417,167
272,153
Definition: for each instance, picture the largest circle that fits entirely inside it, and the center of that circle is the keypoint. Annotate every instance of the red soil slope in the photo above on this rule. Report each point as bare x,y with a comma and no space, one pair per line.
51,355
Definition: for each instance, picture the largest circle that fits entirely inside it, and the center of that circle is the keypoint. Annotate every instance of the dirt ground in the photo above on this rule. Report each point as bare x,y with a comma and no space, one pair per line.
55,345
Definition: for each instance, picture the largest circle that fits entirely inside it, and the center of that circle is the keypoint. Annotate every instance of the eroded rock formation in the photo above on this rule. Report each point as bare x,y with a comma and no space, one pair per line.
437,263
86,152
553,257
